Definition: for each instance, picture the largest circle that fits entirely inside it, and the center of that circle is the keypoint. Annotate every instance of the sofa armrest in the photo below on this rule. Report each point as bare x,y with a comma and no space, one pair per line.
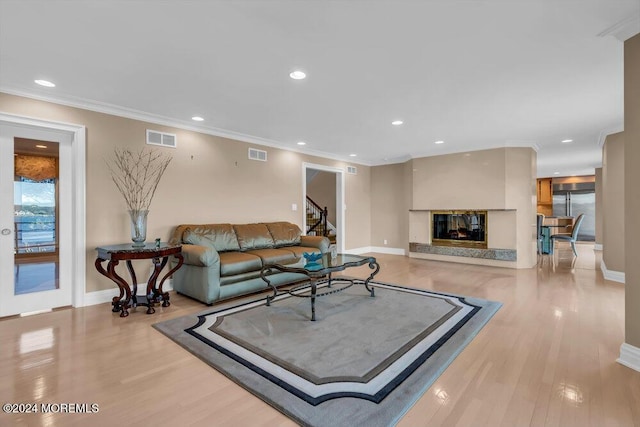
201,256
319,242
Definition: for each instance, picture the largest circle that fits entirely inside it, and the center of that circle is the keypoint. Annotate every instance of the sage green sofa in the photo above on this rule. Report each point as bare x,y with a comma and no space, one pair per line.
224,260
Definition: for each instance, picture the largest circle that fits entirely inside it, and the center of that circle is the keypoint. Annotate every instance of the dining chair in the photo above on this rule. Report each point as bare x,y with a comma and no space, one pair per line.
569,238
539,222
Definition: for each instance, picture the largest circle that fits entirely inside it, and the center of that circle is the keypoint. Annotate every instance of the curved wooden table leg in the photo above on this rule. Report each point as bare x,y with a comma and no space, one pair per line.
160,291
125,291
115,302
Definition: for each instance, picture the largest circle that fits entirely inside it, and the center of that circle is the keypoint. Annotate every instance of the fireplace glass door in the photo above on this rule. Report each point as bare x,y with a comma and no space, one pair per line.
460,228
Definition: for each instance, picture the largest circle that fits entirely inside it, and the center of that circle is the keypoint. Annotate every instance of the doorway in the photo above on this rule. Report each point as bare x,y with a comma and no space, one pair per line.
41,215
323,187
36,216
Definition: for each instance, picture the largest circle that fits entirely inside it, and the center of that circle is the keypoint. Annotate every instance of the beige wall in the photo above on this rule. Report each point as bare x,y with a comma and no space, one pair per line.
632,189
521,194
209,180
390,206
502,178
474,180
613,201
322,190
599,206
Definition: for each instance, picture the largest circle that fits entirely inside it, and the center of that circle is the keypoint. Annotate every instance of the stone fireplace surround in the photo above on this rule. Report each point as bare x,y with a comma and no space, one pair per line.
501,242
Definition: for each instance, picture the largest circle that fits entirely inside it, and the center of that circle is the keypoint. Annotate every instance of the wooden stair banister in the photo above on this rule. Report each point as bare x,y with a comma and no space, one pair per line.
317,212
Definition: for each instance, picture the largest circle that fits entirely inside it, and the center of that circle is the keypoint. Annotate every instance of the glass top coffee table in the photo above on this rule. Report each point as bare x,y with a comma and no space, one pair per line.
318,269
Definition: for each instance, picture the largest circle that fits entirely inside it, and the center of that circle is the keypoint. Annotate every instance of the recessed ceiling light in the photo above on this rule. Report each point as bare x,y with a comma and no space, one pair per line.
567,141
302,143
297,75
45,83
397,122
41,146
197,119
352,155
556,173
439,142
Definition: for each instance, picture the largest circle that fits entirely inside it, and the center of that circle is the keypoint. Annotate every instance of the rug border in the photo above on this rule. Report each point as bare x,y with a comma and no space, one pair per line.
489,310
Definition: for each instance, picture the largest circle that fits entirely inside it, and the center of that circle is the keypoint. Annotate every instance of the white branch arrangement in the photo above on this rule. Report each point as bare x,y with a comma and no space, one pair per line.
137,174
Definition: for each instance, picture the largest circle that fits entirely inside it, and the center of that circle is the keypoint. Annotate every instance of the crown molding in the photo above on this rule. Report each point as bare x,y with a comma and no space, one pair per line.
602,137
507,144
623,30
130,113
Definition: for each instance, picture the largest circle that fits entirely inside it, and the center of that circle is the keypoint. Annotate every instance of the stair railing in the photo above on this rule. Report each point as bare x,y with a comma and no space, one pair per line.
321,214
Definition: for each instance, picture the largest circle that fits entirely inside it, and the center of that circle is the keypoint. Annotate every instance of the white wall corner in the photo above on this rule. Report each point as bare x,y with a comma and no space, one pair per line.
614,276
629,356
597,247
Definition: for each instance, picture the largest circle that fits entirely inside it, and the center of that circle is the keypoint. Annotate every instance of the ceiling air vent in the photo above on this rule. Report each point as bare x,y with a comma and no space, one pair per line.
161,138
255,154
352,170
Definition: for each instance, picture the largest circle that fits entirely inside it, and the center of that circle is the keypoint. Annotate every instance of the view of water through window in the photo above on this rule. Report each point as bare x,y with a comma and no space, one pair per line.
35,221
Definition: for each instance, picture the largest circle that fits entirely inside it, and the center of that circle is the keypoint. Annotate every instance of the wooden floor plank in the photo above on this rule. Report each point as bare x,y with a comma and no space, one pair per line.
547,358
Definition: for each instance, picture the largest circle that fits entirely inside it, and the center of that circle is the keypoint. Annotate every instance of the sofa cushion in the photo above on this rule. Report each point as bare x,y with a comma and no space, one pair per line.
253,236
275,256
284,233
220,237
232,263
298,251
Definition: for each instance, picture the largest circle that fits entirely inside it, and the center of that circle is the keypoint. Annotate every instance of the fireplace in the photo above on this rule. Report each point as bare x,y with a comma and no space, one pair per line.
459,228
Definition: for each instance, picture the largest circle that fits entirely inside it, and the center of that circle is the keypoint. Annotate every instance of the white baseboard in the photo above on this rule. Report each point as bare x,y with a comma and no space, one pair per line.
597,247
614,276
100,297
390,251
629,356
376,249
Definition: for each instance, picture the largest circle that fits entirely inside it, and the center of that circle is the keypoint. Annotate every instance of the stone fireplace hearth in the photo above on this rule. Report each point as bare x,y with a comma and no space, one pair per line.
463,234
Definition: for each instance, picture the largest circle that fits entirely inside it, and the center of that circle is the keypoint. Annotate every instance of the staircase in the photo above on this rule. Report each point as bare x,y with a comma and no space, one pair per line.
317,224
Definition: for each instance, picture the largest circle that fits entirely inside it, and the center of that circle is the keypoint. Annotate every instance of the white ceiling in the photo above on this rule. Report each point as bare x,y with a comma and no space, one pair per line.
476,74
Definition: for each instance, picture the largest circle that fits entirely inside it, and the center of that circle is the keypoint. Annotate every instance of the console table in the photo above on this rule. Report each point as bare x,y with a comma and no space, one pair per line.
159,254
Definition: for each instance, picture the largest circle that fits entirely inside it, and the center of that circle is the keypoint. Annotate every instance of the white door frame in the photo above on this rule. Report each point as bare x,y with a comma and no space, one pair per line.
77,251
340,200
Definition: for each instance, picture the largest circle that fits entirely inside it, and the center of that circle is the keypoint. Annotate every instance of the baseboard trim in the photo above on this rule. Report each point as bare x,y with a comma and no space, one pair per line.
106,295
597,247
614,276
390,251
629,356
99,297
376,249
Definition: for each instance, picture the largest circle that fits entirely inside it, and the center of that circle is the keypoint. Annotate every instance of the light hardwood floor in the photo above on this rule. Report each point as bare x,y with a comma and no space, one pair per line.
547,358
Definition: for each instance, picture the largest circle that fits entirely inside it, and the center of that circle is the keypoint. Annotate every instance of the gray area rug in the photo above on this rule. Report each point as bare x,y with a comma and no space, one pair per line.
365,361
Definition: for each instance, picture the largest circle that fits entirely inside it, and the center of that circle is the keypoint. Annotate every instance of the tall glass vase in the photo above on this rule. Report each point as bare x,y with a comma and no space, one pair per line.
138,226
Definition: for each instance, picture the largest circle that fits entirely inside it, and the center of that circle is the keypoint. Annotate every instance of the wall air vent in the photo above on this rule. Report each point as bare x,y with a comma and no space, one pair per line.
162,139
255,154
352,170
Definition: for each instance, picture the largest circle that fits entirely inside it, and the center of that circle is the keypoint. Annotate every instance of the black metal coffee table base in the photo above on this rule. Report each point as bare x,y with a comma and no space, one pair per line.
323,270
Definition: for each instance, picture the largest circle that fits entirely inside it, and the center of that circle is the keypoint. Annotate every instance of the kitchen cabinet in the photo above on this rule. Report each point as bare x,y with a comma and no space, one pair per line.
545,191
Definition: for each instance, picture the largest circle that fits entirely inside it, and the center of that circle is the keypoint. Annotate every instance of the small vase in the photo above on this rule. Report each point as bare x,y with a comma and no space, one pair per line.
138,226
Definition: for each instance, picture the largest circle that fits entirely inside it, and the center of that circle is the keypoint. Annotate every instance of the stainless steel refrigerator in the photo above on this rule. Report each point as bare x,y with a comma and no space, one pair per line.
573,200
